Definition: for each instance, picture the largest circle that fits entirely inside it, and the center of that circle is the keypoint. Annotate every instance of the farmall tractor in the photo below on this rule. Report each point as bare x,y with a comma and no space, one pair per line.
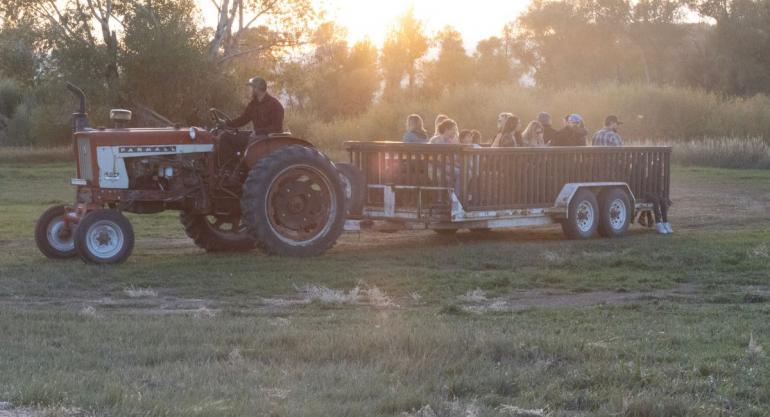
280,195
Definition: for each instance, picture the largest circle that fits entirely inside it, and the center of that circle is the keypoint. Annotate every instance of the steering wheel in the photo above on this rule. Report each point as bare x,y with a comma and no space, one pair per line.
221,119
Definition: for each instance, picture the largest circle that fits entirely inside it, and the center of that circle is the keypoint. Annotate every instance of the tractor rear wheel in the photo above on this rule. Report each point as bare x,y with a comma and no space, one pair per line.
217,233
293,203
104,236
54,236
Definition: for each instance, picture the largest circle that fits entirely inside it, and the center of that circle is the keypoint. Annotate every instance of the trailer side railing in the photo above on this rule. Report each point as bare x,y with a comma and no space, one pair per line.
503,178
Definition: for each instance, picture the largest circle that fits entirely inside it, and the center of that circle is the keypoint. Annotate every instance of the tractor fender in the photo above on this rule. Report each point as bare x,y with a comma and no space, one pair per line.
563,200
266,146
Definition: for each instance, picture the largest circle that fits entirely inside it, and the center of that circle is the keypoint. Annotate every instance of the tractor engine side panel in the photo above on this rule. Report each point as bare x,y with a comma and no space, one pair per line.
113,169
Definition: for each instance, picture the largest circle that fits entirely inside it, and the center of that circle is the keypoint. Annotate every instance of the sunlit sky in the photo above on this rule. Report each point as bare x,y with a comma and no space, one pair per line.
475,19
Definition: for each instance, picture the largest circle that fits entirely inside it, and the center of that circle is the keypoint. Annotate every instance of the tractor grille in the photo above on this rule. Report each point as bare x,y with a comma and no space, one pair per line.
84,160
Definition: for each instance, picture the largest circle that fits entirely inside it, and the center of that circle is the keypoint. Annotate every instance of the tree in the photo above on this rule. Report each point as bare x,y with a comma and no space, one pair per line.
342,80
289,19
19,58
165,64
453,66
566,43
740,44
404,46
493,62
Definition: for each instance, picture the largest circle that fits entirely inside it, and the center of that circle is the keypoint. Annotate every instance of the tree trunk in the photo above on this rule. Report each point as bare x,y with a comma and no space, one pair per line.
222,25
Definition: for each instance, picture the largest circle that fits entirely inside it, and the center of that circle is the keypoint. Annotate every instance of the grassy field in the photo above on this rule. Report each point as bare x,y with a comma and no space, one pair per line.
516,323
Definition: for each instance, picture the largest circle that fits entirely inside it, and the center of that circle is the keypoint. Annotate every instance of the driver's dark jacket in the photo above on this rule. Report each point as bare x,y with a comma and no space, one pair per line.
266,116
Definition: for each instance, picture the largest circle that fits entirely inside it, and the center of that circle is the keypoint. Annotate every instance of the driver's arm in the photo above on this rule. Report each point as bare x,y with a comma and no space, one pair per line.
241,120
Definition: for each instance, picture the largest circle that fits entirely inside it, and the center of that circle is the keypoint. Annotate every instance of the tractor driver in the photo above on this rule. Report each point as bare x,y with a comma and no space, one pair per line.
264,112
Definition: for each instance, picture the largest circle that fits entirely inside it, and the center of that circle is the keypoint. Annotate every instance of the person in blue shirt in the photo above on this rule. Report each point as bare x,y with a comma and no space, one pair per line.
608,135
415,130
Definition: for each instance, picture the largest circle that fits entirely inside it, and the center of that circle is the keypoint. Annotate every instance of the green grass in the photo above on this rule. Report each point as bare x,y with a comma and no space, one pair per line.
71,336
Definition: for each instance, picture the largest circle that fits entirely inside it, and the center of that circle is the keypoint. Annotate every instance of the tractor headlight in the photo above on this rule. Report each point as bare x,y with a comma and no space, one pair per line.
193,133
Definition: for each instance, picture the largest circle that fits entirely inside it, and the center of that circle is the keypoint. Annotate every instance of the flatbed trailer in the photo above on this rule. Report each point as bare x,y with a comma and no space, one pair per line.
588,190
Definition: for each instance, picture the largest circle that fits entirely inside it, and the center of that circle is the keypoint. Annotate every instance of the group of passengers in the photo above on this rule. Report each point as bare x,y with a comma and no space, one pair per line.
537,133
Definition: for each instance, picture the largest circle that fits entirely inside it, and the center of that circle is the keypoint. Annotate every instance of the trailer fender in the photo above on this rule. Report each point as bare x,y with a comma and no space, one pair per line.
563,200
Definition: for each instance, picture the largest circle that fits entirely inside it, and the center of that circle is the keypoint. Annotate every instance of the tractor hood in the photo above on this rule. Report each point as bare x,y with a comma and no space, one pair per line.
101,153
147,136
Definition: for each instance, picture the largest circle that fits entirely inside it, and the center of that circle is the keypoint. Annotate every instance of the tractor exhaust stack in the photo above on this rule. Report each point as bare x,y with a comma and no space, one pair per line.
79,118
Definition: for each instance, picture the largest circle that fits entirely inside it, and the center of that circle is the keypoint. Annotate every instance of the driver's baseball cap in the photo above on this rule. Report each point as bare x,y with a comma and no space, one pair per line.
258,82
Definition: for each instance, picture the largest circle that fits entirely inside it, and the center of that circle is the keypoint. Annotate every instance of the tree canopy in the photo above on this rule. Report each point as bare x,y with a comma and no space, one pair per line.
158,54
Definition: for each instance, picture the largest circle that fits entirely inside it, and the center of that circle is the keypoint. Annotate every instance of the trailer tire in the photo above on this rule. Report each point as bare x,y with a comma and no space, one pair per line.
104,236
52,236
615,213
206,235
354,186
583,217
293,203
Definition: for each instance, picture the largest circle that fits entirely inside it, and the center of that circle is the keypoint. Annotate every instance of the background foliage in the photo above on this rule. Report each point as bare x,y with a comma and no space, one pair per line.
670,68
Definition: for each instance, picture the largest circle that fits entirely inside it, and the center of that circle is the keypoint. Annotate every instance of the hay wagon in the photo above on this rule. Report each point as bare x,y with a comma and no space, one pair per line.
588,190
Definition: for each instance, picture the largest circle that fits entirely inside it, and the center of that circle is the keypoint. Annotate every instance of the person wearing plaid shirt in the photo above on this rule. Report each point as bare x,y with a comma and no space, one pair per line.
608,136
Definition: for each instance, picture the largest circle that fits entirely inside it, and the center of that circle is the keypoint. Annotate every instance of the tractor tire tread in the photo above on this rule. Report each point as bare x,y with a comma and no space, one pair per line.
255,194
196,229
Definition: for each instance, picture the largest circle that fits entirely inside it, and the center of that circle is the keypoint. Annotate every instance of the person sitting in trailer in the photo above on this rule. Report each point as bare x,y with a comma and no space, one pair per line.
548,131
507,136
447,133
533,135
415,130
574,132
466,137
476,138
439,119
608,135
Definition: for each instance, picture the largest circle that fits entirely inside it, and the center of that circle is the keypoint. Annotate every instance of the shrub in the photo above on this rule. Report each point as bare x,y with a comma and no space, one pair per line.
11,96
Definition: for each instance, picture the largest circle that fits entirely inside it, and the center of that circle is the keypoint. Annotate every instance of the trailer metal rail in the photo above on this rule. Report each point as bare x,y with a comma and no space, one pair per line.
500,187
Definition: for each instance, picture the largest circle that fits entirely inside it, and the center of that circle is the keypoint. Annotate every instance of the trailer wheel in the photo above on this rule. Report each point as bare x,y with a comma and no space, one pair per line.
354,186
217,233
293,203
583,217
53,236
104,236
615,213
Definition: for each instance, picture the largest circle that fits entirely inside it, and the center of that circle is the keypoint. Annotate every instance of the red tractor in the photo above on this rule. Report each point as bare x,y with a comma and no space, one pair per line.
289,200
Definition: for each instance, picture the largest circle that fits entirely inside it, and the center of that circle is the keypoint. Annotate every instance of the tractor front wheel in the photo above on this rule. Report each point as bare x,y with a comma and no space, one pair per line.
54,236
293,203
104,236
217,233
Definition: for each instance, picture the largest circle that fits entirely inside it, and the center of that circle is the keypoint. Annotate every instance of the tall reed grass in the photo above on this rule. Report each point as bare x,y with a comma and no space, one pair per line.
648,113
736,153
705,128
35,154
